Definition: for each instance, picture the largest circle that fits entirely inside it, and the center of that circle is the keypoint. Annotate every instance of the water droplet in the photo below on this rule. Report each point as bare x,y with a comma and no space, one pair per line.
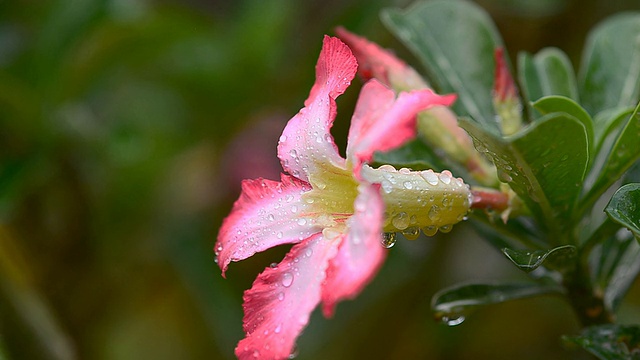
287,279
430,230
273,265
293,153
293,354
430,177
408,185
453,320
278,329
256,354
283,138
281,298
279,235
327,138
446,228
389,239
446,177
308,253
504,176
434,213
271,217
294,209
411,233
400,221
302,222
387,187
404,171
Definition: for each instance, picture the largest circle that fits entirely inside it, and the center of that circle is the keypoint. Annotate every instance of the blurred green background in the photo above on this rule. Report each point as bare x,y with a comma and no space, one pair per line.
126,127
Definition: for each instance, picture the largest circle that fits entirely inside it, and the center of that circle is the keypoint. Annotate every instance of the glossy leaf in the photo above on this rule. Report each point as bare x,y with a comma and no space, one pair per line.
624,208
625,269
544,164
455,41
610,342
451,305
611,64
528,260
554,103
606,123
549,72
622,156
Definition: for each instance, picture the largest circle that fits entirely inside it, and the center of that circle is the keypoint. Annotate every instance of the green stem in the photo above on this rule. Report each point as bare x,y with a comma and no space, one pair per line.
587,301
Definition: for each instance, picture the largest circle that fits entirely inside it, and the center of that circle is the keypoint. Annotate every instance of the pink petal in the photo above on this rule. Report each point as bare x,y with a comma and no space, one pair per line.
306,145
278,305
503,88
360,255
381,124
268,213
381,64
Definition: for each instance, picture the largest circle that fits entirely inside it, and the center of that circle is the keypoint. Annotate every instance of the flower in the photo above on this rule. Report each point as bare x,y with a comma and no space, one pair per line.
333,209
438,126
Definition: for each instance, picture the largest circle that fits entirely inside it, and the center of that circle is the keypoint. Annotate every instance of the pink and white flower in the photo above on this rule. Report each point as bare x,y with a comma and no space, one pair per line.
333,209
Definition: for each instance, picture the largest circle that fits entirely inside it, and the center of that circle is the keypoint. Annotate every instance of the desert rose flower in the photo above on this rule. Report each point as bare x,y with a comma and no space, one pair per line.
438,125
334,209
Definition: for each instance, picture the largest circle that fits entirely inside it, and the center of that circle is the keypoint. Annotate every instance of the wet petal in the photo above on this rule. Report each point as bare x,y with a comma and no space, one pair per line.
381,64
306,145
268,213
380,123
360,255
278,305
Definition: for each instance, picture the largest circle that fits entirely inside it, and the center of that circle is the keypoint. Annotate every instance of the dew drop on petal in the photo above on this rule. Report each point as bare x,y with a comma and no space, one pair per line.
287,279
281,298
408,185
434,213
430,177
411,233
293,153
446,177
302,221
446,228
270,217
389,239
430,230
400,221
387,187
283,138
278,329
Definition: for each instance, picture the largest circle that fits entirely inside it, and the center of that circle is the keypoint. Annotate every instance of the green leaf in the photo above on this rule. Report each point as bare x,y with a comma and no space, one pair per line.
624,208
610,66
610,342
554,103
528,260
455,41
544,164
625,268
549,72
451,305
606,123
622,156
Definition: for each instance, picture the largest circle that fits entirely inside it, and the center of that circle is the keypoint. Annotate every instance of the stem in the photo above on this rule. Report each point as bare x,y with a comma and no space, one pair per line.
489,199
587,302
